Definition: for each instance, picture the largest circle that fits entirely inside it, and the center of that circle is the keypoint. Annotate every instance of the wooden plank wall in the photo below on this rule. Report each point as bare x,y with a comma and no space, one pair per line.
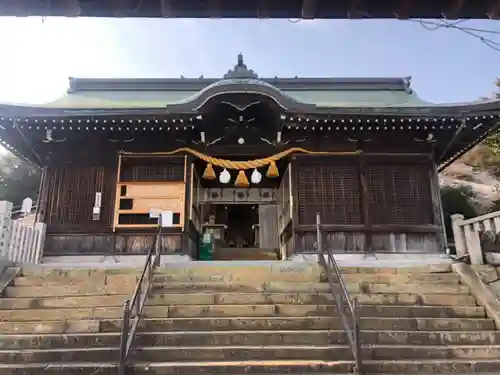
67,210
366,204
71,196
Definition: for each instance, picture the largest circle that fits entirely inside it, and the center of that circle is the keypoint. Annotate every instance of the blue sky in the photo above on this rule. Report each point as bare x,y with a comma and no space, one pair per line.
446,65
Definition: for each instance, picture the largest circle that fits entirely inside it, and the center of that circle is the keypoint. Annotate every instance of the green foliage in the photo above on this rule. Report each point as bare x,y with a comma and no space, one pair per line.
456,200
495,205
18,179
493,141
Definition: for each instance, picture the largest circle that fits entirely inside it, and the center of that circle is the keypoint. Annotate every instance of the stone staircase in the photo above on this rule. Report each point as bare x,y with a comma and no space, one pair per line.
236,318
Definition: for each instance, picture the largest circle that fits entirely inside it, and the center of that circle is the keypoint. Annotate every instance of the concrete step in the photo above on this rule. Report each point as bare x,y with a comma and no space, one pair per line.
246,323
179,311
202,271
240,271
116,300
57,326
303,323
247,352
95,279
224,287
261,367
132,277
255,338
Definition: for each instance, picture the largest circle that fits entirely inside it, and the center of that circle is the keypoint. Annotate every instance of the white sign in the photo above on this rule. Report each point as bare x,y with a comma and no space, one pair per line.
167,219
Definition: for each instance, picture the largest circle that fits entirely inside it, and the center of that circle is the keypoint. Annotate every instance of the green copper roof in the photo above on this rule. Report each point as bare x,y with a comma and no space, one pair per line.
189,94
159,99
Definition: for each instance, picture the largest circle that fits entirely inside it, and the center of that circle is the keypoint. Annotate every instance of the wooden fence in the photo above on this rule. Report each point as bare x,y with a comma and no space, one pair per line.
26,242
22,240
467,234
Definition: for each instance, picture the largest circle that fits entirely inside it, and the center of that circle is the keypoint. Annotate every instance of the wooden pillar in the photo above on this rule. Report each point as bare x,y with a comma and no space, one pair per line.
437,208
186,224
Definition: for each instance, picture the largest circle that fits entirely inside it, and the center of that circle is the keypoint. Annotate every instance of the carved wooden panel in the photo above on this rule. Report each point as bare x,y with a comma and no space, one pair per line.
71,195
331,189
399,194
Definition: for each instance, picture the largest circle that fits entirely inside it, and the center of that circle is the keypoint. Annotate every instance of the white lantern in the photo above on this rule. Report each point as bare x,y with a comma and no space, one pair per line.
256,176
225,177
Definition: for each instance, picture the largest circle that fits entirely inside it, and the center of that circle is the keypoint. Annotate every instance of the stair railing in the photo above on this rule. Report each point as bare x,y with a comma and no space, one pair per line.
347,307
132,308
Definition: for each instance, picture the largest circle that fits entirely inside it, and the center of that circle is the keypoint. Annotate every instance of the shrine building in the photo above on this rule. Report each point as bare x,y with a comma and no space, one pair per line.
249,160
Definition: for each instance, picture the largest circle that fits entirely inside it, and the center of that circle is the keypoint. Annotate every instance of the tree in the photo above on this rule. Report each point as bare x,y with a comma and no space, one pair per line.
18,179
456,200
493,141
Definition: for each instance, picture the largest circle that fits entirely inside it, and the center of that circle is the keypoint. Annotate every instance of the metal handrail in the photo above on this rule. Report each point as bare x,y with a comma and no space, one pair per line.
132,308
347,307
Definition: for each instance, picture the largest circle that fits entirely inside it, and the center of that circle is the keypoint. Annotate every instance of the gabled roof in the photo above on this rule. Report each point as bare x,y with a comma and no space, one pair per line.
91,93
336,96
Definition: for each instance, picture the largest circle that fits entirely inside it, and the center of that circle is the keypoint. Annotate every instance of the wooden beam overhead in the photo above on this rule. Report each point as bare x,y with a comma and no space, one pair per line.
308,9
262,9
74,8
355,10
214,9
494,11
122,8
167,9
403,10
455,8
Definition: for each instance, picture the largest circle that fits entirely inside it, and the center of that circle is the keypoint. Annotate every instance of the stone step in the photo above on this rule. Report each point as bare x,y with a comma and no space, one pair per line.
242,310
260,367
85,289
255,338
227,271
116,300
97,279
289,287
246,323
217,287
303,323
132,277
179,311
237,271
247,352
57,326
309,298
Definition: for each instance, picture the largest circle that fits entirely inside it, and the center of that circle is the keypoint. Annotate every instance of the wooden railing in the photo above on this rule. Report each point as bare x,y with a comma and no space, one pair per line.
24,242
347,307
467,234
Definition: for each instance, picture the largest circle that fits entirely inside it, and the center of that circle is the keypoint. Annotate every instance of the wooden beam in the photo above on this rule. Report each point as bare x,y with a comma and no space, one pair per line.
262,9
454,12
74,8
355,10
214,8
403,10
494,10
123,8
308,9
167,9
